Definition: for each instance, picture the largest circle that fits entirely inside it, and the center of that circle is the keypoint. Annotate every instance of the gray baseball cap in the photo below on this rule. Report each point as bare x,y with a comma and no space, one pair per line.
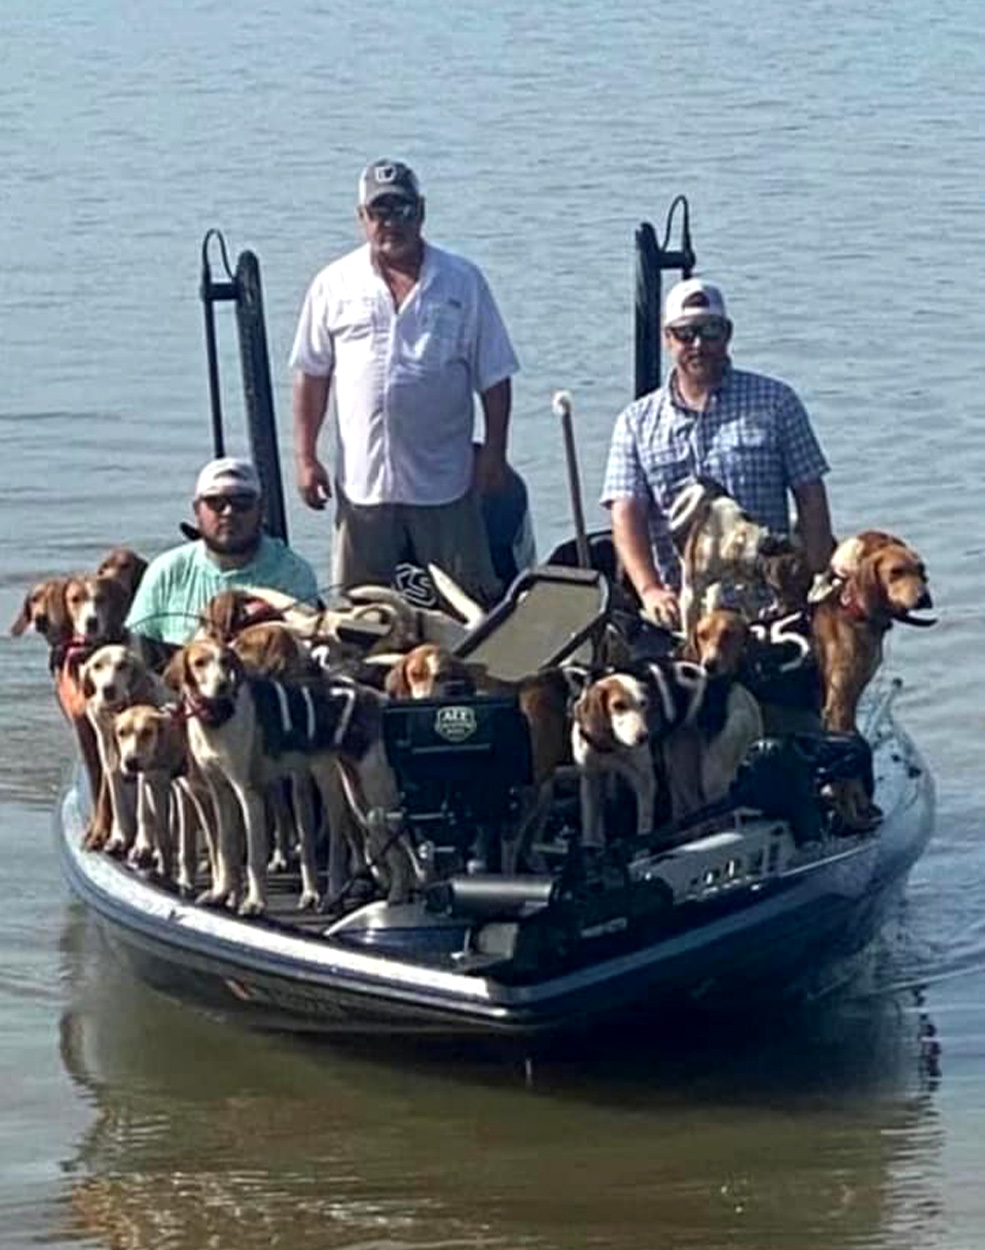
228,475
385,177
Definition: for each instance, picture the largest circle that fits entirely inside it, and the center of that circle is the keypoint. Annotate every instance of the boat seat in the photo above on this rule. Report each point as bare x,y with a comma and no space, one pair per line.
460,765
550,613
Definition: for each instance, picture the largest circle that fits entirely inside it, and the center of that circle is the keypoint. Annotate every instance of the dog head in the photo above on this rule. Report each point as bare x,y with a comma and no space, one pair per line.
787,575
708,527
45,611
847,557
891,582
428,672
126,568
112,678
272,650
206,672
613,711
97,608
231,611
720,642
147,738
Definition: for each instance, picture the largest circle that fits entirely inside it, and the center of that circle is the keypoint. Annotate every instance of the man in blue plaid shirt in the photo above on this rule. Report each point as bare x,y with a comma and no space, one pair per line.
748,432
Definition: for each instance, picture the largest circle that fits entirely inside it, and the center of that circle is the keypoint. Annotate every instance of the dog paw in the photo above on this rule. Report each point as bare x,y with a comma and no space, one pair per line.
95,839
252,906
212,898
309,900
277,862
115,846
141,857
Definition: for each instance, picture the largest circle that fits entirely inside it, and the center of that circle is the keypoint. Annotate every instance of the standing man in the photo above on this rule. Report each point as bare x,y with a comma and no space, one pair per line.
409,333
748,432
233,551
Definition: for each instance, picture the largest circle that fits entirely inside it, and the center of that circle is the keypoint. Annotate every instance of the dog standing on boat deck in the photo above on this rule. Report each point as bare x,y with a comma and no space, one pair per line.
719,545
111,679
878,581
153,748
698,728
231,737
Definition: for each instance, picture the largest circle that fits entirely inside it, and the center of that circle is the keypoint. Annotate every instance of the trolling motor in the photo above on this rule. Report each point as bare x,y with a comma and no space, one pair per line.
242,288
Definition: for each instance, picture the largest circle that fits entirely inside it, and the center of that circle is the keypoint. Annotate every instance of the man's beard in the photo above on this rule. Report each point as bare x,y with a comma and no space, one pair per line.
231,545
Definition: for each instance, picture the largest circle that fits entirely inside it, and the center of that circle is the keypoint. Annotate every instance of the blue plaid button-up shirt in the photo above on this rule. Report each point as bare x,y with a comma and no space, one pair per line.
754,438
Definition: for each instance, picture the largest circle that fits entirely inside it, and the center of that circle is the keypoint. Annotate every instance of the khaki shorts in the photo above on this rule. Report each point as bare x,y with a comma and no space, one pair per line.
371,540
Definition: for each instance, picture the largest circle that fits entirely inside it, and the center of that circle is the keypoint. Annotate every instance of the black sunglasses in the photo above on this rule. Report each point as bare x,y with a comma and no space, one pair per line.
392,210
235,503
710,331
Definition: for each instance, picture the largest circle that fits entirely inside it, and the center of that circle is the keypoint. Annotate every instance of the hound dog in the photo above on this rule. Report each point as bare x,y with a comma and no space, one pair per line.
772,657
125,567
45,611
153,747
668,713
244,733
877,580
719,545
74,614
113,678
274,651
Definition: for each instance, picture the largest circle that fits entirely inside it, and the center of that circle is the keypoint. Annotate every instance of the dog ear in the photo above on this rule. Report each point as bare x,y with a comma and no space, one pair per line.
175,674
869,582
23,618
592,714
396,685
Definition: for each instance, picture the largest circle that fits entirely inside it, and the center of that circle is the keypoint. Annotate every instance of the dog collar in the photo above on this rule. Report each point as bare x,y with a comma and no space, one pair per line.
849,601
602,748
70,655
211,712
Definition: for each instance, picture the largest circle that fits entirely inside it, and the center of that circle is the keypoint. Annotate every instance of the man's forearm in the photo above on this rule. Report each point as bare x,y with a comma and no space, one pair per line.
631,536
814,524
496,404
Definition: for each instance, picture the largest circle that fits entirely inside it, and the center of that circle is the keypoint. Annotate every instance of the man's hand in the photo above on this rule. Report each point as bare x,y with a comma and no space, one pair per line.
660,606
314,485
489,475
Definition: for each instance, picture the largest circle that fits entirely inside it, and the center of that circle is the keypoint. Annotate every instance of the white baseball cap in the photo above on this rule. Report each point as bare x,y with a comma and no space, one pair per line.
691,299
227,476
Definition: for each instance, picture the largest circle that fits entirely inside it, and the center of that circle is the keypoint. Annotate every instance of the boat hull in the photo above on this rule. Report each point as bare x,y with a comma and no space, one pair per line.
786,938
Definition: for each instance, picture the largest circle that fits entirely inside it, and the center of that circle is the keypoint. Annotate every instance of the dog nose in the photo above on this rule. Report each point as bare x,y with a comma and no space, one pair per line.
925,600
130,765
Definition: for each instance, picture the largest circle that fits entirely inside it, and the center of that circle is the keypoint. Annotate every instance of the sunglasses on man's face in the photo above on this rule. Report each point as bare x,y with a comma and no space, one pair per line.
710,331
391,210
234,503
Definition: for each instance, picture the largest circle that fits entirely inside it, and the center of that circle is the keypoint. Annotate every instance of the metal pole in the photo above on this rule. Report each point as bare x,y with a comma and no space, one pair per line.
561,407
206,292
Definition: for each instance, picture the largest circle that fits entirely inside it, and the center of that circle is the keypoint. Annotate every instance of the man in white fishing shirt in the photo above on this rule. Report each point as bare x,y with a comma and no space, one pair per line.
408,333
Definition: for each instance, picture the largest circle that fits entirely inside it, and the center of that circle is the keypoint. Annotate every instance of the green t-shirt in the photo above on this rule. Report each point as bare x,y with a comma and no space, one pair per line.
178,584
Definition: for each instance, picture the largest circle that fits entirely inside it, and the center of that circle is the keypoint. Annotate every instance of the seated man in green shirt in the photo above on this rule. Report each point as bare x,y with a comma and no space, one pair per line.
232,551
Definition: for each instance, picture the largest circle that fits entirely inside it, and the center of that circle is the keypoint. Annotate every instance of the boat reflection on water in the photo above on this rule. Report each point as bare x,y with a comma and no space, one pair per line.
815,1131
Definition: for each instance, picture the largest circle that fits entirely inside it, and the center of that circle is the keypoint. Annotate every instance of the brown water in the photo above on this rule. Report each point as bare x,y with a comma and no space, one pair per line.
833,158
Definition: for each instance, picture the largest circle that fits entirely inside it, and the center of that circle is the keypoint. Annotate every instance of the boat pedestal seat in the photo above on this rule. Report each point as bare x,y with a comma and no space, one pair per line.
462,766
